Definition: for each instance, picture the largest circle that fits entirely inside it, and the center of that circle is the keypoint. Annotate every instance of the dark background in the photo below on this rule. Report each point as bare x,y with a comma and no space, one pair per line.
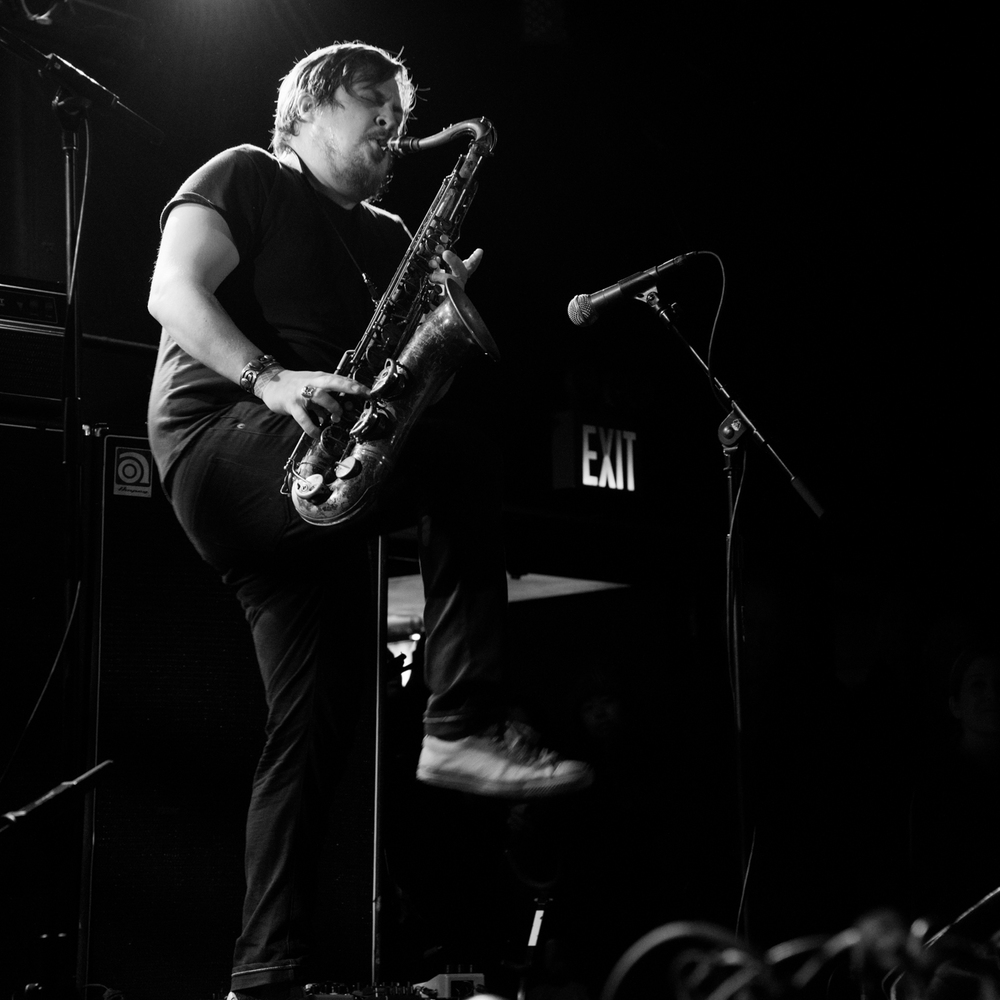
835,162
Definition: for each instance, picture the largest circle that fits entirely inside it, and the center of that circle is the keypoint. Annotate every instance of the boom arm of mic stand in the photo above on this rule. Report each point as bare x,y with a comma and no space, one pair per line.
82,783
88,90
737,423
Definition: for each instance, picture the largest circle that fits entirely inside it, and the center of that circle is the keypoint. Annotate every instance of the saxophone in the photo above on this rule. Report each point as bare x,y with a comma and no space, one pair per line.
417,338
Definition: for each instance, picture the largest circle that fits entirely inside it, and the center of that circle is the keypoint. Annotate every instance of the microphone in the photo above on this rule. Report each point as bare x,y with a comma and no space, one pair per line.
582,309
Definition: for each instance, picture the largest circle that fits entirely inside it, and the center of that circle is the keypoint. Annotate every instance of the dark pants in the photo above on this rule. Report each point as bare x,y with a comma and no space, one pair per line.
307,595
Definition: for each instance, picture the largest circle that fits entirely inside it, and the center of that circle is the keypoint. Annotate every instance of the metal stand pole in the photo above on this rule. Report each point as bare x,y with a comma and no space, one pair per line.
76,93
378,549
732,429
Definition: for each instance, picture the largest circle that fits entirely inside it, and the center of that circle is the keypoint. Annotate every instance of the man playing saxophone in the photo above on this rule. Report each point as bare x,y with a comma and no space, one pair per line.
267,272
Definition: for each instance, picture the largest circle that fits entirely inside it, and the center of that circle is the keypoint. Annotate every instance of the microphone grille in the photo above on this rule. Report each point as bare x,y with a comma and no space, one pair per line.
581,311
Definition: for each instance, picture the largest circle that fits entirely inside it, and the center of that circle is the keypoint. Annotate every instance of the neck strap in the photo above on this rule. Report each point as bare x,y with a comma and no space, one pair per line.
314,185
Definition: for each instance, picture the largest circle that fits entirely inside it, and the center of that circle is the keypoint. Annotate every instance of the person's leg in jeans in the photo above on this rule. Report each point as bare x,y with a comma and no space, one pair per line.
310,633
304,589
455,477
305,594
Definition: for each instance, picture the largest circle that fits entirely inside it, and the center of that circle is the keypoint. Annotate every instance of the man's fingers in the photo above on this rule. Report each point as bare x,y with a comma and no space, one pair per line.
302,417
325,400
295,392
472,262
451,265
340,383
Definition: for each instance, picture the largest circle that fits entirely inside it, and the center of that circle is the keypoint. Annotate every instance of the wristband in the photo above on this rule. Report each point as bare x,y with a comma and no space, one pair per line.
252,370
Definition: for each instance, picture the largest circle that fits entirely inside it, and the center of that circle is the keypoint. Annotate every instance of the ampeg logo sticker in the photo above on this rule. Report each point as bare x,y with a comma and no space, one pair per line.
133,476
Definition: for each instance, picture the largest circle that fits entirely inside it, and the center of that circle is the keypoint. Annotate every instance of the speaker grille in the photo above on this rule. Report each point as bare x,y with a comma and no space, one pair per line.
182,716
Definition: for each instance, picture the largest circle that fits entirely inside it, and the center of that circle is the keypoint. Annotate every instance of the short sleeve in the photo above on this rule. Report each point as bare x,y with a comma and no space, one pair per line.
236,183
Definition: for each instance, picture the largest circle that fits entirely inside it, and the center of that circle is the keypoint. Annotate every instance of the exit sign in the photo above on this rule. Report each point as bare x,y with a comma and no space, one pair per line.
608,458
593,455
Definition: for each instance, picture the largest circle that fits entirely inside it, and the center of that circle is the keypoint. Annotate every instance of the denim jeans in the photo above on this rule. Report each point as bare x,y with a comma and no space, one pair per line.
307,595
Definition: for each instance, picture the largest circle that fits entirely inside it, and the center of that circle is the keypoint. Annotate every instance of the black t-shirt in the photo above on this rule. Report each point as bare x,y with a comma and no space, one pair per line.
296,292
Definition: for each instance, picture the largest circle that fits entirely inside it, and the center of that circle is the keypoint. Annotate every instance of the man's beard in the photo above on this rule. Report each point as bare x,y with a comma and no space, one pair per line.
360,177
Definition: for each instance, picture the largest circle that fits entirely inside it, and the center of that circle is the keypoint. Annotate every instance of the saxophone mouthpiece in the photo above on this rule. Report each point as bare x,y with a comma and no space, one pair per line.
402,144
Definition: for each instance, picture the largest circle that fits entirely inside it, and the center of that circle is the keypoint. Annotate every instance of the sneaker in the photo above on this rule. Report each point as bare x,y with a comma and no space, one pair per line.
500,764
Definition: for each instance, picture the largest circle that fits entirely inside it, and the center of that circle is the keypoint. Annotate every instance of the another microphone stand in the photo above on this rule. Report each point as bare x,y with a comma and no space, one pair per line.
735,425
76,93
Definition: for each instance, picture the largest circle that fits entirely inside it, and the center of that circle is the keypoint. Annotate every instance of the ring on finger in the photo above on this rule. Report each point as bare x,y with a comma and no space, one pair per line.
308,392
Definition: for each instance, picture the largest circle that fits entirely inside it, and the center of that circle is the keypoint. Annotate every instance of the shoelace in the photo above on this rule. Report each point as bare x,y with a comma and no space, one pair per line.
521,743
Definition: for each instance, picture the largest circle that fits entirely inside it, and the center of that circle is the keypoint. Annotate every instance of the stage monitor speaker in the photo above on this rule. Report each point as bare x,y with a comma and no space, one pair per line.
181,715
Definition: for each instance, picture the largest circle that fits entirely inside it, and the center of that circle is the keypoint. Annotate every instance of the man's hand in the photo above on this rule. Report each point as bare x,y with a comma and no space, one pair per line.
450,265
293,393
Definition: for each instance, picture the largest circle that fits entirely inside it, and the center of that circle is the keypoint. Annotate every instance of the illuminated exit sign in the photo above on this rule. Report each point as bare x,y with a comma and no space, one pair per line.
593,455
608,458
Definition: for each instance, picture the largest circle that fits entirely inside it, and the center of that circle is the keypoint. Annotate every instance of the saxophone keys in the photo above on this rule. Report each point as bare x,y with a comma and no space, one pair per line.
348,468
374,422
391,381
311,488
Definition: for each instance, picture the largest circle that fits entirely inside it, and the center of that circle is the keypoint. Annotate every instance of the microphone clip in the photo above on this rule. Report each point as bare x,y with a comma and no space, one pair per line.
732,429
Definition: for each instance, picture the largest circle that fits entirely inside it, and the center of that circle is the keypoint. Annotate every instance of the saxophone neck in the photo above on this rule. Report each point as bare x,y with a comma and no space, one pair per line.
480,128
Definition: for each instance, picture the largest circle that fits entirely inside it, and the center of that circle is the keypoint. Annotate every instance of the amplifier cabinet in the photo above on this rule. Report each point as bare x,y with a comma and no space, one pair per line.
114,376
181,714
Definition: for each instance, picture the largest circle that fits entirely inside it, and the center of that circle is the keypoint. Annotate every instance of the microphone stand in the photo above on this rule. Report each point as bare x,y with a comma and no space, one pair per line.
731,430
76,93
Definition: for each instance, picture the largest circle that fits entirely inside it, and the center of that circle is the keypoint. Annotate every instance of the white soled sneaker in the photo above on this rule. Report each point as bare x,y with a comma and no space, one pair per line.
499,764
